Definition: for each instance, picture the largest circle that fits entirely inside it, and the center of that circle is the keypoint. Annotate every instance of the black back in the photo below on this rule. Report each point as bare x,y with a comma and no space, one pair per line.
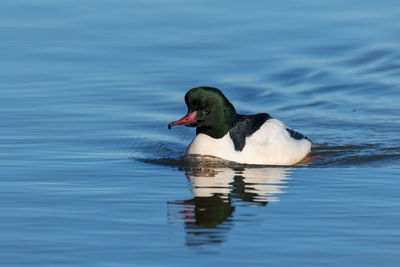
244,126
297,135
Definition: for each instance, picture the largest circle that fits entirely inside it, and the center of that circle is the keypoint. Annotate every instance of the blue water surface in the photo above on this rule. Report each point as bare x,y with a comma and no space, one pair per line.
91,176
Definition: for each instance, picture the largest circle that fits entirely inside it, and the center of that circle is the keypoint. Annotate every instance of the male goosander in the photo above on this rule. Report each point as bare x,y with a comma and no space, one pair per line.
249,139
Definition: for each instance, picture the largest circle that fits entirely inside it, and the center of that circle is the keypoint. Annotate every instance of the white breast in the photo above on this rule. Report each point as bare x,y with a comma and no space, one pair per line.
269,145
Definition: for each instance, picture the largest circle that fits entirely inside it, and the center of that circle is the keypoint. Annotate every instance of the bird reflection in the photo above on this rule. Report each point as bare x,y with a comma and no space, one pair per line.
209,215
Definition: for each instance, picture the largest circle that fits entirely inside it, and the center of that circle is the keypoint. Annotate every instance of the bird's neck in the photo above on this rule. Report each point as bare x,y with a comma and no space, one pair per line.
218,130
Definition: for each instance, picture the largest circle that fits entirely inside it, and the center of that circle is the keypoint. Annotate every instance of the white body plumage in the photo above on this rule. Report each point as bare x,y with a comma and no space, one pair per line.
271,144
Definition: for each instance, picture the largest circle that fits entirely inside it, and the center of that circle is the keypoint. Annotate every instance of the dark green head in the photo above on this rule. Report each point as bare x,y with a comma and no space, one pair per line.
208,110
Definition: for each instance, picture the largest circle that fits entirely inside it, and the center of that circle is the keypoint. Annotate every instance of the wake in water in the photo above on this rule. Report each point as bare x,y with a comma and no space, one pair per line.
172,154
355,155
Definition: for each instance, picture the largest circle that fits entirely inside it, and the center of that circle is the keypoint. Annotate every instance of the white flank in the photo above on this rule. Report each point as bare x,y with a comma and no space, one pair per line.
269,145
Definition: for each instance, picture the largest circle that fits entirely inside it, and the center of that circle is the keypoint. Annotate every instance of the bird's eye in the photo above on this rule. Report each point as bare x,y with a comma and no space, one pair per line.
207,111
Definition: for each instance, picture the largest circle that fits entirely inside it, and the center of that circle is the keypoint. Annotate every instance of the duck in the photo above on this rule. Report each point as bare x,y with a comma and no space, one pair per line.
224,134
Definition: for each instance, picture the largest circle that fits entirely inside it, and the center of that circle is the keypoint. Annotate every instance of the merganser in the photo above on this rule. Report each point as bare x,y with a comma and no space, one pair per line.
249,139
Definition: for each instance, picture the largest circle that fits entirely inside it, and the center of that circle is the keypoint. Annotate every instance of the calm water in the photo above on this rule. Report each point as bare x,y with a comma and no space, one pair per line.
91,176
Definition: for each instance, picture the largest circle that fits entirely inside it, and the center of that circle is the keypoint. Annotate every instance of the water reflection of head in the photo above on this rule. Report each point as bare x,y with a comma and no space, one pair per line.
216,189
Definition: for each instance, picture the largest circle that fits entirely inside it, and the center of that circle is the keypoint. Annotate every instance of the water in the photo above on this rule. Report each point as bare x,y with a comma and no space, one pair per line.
91,176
